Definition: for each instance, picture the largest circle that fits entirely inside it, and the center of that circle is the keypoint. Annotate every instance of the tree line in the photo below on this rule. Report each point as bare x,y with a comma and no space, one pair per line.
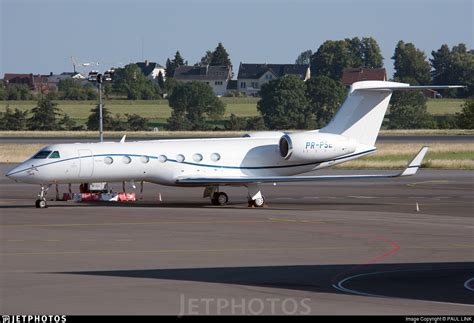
290,103
46,116
286,103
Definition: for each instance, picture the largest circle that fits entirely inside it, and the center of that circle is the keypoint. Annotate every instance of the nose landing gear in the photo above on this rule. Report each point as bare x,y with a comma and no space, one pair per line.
254,196
41,202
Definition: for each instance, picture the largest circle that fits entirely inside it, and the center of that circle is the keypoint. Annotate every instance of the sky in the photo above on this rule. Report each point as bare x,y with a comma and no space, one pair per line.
40,36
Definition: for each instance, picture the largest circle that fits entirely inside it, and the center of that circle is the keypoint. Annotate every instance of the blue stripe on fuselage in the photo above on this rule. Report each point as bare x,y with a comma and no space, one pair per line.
194,164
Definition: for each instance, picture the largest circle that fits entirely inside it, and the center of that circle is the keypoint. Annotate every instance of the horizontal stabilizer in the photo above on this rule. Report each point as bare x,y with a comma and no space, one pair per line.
407,87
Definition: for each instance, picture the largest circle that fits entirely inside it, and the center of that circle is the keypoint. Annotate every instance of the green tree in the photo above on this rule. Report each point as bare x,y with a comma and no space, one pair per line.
70,89
465,119
136,122
192,104
235,123
161,81
409,111
67,123
44,116
244,123
52,95
304,58
3,92
220,56
17,92
169,70
371,53
455,67
332,57
206,59
255,123
134,84
325,96
13,120
109,122
283,104
107,89
410,64
441,63
171,65
170,84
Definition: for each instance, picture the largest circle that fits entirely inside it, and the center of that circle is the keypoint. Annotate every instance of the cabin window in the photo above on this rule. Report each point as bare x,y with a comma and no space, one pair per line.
42,154
215,157
179,158
108,160
162,158
144,159
126,160
55,154
197,157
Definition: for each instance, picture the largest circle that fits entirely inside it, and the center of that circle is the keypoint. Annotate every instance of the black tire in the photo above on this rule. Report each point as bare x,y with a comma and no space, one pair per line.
220,198
42,204
37,204
214,201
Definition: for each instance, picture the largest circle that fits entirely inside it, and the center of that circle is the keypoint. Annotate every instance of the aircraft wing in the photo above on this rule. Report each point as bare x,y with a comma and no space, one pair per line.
411,169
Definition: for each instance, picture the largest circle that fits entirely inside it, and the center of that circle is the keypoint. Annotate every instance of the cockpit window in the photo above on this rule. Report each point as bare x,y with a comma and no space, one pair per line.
42,154
55,154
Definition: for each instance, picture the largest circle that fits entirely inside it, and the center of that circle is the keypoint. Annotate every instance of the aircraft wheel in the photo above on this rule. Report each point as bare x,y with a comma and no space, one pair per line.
41,204
260,202
220,198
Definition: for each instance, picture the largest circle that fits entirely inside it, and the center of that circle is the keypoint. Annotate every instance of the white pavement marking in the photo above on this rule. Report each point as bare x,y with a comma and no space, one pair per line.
468,283
362,197
339,286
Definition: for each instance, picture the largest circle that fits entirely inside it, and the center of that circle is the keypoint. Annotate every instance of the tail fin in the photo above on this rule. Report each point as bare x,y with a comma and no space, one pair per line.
360,116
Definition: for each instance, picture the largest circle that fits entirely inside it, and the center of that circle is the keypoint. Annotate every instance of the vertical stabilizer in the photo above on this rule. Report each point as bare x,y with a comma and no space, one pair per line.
360,116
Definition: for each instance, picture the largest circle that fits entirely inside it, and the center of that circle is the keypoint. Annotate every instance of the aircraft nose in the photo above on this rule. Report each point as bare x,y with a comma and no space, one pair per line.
15,173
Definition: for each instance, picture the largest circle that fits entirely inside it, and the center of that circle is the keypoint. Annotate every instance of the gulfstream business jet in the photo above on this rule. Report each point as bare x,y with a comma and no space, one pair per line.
249,161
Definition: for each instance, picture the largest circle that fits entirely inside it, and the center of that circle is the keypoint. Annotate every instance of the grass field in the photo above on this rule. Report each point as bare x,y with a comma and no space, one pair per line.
388,155
396,156
226,133
444,106
157,111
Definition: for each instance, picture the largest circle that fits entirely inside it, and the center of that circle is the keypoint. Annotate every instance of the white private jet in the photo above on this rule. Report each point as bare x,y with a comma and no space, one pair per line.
256,158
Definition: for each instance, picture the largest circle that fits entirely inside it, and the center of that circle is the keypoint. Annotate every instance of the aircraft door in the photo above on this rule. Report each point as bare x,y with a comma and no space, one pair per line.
86,160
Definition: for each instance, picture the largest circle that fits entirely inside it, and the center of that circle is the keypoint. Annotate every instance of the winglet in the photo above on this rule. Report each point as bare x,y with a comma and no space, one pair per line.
413,166
123,139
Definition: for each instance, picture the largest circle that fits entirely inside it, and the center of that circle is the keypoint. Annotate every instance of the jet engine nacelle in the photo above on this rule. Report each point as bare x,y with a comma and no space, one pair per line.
315,146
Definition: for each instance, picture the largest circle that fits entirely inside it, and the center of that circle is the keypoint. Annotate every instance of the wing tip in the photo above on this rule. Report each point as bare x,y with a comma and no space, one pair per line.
415,163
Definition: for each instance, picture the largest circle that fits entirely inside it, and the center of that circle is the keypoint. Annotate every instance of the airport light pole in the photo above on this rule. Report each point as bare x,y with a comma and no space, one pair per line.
101,126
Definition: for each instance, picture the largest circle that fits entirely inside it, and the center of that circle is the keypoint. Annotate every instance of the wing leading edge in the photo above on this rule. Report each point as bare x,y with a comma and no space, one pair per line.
410,170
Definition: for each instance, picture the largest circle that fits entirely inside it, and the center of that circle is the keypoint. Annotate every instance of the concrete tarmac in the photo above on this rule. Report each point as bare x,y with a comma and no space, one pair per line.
346,247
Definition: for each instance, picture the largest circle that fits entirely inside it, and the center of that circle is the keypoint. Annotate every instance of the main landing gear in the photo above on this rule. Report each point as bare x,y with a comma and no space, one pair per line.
255,197
219,198
41,202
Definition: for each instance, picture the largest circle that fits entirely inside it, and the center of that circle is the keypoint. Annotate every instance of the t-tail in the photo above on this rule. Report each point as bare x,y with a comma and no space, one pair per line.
360,116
